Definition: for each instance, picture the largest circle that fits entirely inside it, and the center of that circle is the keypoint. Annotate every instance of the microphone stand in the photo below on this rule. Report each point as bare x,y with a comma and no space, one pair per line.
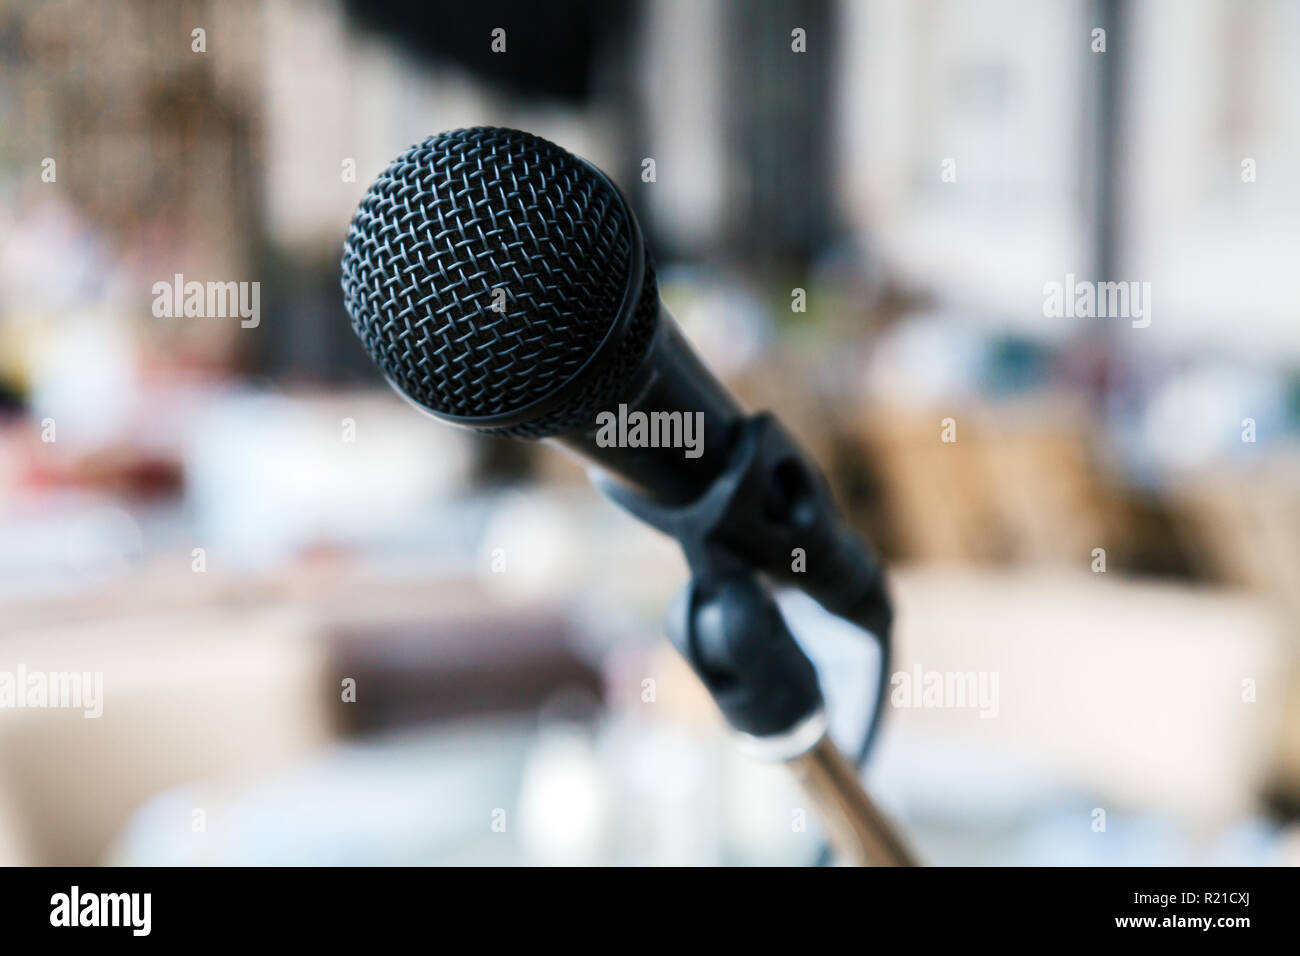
765,504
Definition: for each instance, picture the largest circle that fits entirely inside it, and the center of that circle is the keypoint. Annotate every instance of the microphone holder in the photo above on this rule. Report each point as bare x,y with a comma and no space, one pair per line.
770,513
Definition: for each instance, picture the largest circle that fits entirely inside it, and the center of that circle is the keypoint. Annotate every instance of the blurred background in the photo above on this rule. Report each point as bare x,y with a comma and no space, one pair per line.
330,631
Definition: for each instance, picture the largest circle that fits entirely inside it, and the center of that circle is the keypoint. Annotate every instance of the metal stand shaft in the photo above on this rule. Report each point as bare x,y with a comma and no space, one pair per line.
853,822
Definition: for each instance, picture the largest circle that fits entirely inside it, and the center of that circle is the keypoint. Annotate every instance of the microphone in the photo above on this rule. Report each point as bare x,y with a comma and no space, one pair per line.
501,283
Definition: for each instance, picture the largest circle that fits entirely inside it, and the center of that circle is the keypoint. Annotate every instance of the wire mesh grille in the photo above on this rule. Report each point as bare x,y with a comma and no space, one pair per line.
484,267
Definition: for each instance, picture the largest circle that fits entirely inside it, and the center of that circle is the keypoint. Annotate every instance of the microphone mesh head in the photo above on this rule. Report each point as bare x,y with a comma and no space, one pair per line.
484,268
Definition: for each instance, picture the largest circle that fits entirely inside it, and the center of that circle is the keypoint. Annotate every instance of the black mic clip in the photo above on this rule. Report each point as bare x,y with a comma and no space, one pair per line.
768,512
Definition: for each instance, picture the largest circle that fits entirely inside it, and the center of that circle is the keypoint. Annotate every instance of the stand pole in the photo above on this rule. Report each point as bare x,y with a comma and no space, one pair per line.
853,822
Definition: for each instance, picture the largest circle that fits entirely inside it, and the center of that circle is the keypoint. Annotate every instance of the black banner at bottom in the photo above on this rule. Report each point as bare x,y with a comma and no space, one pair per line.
377,905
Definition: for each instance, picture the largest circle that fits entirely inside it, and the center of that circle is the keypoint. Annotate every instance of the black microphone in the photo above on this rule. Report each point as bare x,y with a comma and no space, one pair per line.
503,284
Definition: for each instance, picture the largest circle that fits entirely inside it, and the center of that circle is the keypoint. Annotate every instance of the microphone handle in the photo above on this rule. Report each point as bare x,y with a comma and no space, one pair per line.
680,399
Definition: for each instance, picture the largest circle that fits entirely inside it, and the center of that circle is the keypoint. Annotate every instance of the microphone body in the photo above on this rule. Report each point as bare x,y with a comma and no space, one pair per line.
677,399
503,284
